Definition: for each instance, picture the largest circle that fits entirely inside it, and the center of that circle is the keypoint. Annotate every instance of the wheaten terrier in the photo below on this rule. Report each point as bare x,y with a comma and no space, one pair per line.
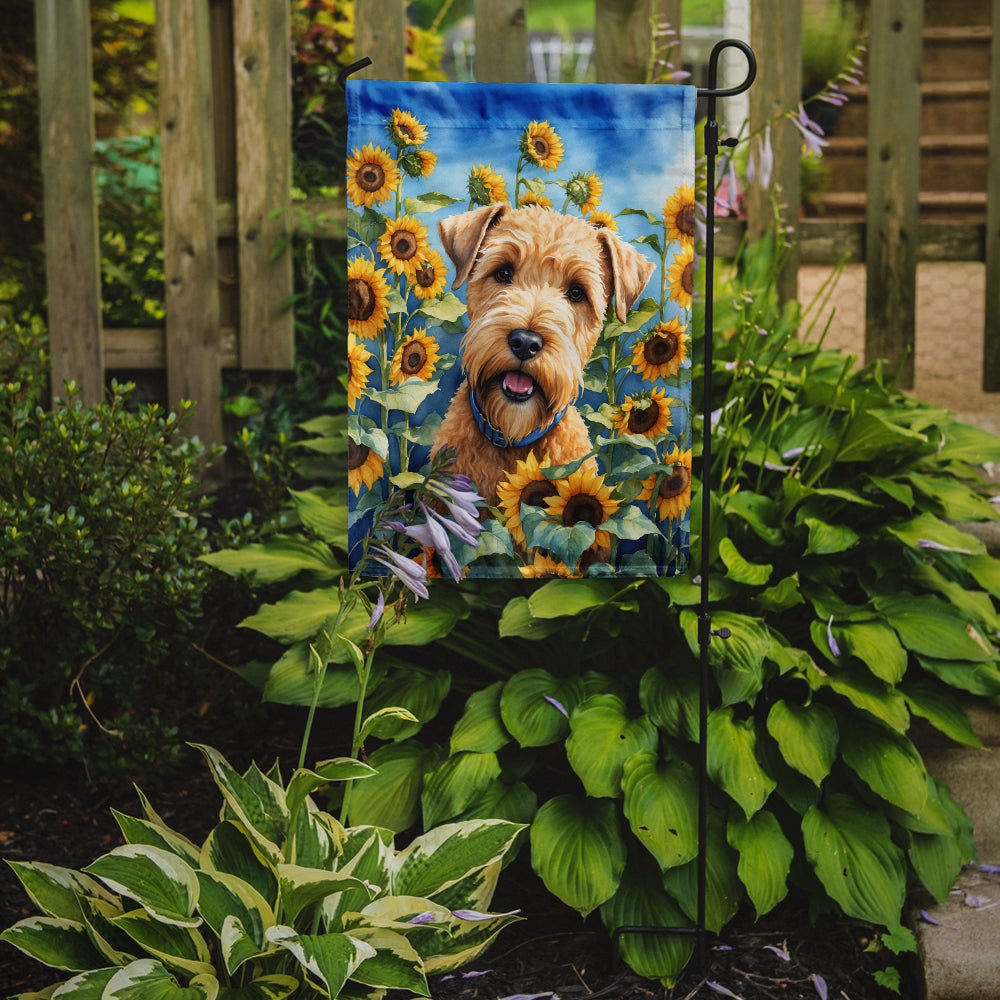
539,285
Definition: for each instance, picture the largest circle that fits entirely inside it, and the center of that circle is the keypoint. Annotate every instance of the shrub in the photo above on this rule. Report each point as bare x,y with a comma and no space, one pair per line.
99,542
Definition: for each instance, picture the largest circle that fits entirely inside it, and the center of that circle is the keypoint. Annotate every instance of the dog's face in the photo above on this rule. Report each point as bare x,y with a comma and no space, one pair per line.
538,286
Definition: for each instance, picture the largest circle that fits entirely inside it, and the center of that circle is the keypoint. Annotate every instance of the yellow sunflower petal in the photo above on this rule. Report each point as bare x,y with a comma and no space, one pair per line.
527,484
367,298
429,276
673,497
364,467
680,277
541,145
405,130
603,220
358,369
679,214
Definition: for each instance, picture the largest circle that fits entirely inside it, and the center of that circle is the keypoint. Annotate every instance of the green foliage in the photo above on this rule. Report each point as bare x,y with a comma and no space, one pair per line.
101,587
279,899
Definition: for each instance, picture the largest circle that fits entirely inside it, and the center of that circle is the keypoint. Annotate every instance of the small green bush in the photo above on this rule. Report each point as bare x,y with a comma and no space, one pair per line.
99,578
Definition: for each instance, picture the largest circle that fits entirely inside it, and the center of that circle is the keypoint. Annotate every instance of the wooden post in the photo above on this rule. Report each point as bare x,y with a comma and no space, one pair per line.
776,34
991,333
501,41
190,253
893,183
380,34
72,255
622,40
261,30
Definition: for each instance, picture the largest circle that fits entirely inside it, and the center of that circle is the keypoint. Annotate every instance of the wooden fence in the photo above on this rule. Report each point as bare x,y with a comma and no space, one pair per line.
226,161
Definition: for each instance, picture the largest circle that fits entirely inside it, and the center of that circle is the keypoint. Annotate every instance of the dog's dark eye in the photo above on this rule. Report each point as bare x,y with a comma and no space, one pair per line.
576,292
503,275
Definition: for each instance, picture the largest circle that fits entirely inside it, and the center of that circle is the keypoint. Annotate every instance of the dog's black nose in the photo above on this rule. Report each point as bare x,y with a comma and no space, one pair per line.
524,344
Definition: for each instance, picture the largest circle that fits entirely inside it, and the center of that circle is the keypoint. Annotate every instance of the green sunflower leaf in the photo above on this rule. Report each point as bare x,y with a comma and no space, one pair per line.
429,202
447,308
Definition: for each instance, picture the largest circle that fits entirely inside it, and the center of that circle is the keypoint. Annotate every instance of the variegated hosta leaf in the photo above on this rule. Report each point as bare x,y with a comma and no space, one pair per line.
476,890
329,959
141,831
86,986
230,849
578,851
225,897
481,727
661,805
56,891
535,706
54,941
395,964
149,980
301,887
602,737
158,880
850,847
304,782
177,947
807,736
315,838
732,760
367,853
441,857
275,987
642,902
116,946
467,941
765,858
456,784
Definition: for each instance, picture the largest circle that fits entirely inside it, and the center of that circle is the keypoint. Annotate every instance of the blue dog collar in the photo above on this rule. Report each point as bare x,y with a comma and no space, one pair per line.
496,436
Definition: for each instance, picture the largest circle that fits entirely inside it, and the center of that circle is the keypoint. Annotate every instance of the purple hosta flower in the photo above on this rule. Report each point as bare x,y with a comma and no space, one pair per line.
719,988
377,612
465,975
728,195
552,701
831,642
531,996
432,535
811,132
475,915
928,543
990,869
411,574
780,952
761,162
820,984
427,917
927,918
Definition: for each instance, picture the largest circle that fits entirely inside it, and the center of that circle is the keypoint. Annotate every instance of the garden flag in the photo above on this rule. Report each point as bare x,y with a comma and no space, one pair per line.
520,263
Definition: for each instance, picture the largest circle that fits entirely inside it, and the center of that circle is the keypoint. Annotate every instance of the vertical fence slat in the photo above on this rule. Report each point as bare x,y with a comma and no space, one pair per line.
622,40
669,11
776,34
190,253
380,34
501,41
893,183
991,332
261,59
72,257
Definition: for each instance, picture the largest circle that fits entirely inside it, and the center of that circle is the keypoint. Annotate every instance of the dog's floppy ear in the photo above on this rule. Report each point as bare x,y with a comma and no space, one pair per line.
462,236
629,271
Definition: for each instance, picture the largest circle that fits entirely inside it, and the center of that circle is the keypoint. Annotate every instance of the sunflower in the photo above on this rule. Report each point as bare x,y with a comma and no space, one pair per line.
405,130
584,190
364,467
583,497
367,298
428,161
647,413
673,497
529,198
415,358
357,369
541,145
678,214
429,276
371,176
403,245
680,275
546,566
527,484
661,354
603,220
486,187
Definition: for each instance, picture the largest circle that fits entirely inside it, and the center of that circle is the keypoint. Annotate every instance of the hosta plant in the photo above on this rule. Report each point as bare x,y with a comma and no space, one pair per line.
279,900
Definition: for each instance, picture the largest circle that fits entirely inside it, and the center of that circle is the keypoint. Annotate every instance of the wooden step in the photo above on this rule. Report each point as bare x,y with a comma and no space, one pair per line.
941,13
958,206
956,53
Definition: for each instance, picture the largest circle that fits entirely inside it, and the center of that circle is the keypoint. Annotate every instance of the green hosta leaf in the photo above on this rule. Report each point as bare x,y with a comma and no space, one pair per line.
481,728
876,646
671,701
456,784
928,528
304,782
419,691
807,736
328,520
932,628
528,710
661,798
559,598
732,760
366,855
765,858
888,763
957,501
602,738
760,512
180,948
986,571
141,831
387,722
578,851
738,661
395,964
56,891
279,558
330,959
641,901
164,885
517,620
868,693
292,679
783,595
515,803
301,887
976,678
941,709
54,941
850,848
937,858
275,987
738,569
870,436
391,798
230,849
147,979
440,858
828,539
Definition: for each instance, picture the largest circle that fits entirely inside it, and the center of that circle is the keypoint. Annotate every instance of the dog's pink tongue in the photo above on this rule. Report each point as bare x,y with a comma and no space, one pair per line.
518,382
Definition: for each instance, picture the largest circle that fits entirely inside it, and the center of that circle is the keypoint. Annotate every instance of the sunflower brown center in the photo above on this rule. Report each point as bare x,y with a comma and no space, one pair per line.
687,278
640,421
357,454
425,276
370,177
583,507
414,358
360,299
660,350
540,147
685,220
536,491
406,132
404,246
676,483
